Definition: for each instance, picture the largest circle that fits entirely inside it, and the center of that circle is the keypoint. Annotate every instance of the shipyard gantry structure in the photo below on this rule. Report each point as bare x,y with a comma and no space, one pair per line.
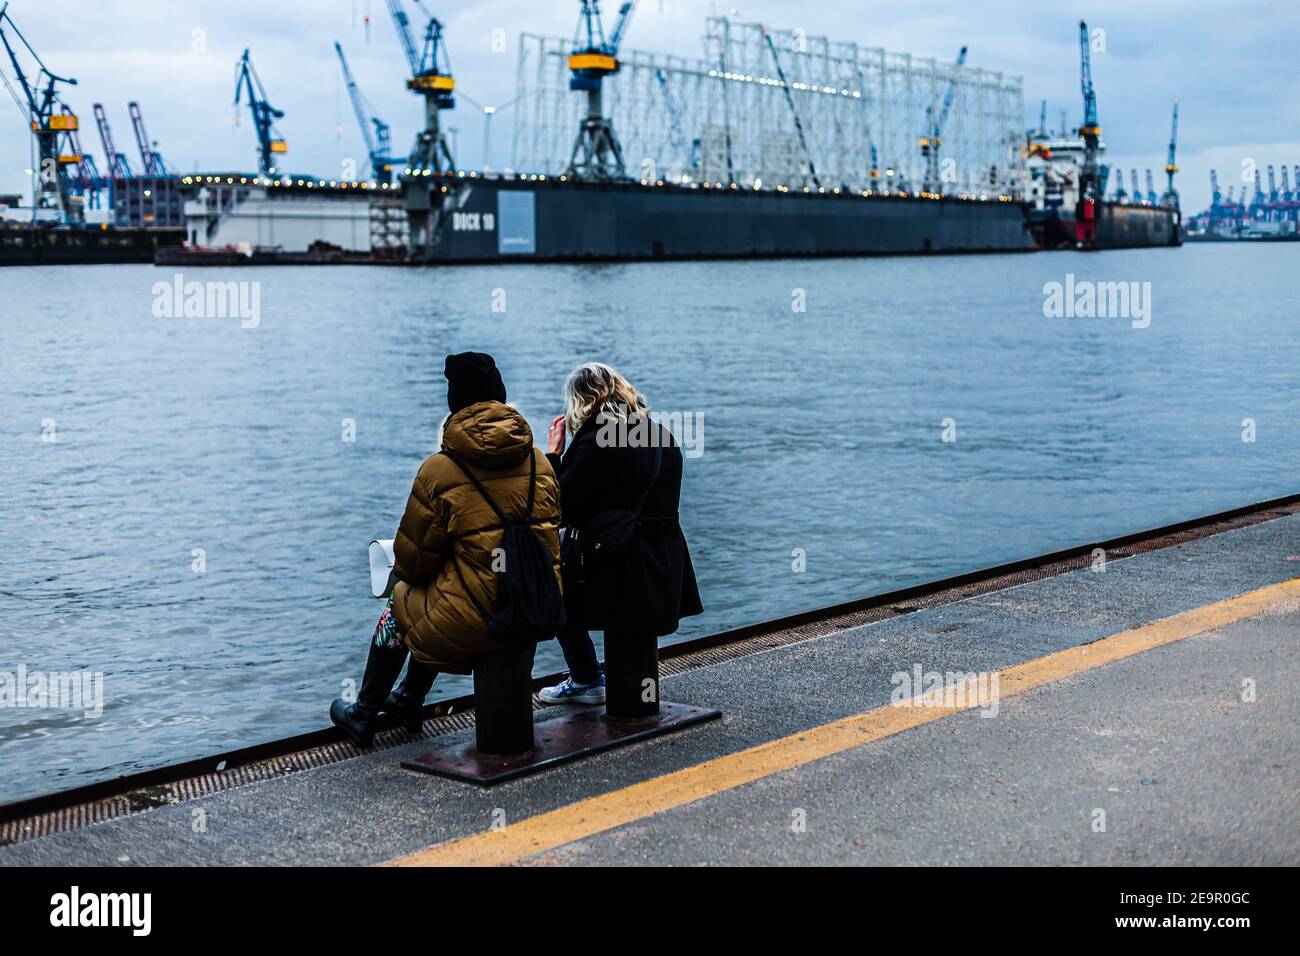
780,108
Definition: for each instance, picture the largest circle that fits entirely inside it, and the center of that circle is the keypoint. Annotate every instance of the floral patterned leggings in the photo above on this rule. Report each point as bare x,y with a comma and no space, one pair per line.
386,635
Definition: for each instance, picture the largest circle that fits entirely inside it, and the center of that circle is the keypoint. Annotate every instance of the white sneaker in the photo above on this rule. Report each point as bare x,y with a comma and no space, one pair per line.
569,692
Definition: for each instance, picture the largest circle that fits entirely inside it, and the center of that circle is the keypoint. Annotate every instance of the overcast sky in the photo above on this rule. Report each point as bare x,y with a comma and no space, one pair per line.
1233,67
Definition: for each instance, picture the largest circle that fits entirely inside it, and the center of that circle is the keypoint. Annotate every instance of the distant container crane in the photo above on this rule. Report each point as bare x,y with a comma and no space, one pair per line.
269,141
147,196
89,182
154,166
375,132
118,167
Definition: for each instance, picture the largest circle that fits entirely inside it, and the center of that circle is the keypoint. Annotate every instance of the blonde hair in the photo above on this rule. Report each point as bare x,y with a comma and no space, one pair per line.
593,388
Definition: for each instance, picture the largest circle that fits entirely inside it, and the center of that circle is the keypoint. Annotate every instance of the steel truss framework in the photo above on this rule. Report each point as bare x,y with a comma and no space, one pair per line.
730,117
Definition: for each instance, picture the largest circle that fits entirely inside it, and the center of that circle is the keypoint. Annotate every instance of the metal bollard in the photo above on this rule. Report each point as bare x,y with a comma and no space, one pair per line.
503,701
631,660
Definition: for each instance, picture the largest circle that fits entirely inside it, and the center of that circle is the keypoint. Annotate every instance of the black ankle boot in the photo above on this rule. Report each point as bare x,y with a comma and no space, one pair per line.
358,720
406,703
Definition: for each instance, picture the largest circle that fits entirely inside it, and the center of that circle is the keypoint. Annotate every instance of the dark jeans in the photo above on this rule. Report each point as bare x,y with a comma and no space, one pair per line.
579,653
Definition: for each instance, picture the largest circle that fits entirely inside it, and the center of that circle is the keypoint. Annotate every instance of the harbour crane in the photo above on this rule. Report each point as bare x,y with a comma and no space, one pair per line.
153,161
596,153
50,122
374,131
431,78
1151,189
1136,193
1170,197
933,134
118,167
1090,131
89,183
269,142
1220,206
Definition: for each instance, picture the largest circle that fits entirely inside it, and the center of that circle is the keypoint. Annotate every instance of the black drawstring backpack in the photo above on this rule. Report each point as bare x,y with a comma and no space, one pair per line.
529,606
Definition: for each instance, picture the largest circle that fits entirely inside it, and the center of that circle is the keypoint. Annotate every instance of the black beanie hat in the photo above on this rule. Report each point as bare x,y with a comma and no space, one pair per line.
472,377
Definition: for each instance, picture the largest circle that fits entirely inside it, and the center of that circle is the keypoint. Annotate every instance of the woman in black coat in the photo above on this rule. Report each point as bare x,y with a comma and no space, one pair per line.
619,460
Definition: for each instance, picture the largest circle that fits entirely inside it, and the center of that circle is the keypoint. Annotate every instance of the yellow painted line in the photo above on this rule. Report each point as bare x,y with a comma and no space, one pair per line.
574,822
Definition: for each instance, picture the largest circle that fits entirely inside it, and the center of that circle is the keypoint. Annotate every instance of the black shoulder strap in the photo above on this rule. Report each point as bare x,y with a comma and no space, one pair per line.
532,485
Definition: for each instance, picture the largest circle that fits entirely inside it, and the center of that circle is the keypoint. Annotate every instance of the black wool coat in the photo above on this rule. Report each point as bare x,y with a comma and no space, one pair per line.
649,589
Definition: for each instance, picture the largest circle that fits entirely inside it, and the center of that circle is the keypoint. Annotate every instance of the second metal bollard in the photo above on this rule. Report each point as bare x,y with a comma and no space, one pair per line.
631,677
503,701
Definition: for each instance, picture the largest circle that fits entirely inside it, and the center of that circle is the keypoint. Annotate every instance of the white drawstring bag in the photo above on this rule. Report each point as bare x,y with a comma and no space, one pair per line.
382,579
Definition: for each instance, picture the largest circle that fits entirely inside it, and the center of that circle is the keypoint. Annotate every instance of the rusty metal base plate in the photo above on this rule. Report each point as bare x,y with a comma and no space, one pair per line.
558,740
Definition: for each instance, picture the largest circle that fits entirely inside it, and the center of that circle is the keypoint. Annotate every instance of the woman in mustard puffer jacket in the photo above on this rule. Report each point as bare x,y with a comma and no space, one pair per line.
444,548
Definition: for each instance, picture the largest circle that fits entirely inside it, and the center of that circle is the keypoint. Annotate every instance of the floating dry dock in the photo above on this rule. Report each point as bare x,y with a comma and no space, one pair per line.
1163,690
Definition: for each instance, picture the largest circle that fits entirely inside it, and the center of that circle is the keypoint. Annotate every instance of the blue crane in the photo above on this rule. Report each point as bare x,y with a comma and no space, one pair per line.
118,167
269,142
374,131
933,134
432,79
1170,197
1090,131
596,152
50,122
153,161
1151,189
89,183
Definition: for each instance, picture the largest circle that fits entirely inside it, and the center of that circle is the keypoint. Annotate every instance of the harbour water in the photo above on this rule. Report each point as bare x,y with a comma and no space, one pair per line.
188,500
